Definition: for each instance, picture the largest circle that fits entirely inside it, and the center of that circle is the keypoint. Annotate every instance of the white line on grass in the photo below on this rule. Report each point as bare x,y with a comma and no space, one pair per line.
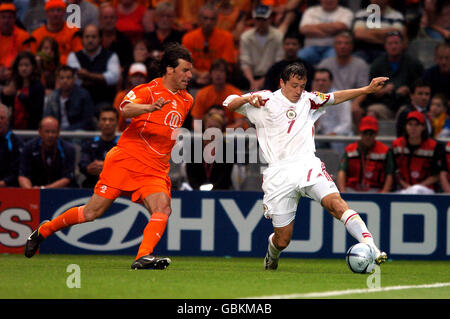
351,291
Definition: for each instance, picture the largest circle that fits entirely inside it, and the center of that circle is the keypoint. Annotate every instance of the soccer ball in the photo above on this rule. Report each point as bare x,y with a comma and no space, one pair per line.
361,258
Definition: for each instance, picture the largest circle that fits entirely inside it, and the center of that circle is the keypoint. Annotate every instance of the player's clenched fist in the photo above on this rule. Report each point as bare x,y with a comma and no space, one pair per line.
377,84
255,100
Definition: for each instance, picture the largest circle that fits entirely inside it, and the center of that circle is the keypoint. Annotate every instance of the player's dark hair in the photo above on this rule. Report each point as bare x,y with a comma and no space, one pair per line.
295,69
324,70
173,52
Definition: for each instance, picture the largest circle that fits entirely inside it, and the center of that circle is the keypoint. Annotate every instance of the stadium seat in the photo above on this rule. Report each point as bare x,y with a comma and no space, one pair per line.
423,49
386,128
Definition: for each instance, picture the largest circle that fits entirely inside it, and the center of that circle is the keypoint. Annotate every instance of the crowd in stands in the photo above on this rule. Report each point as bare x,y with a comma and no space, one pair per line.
60,71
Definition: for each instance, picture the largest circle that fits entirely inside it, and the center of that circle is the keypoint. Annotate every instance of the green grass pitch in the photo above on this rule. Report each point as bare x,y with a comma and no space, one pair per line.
110,277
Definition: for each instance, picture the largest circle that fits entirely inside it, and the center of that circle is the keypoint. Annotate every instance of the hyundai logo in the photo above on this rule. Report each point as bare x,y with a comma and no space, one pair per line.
120,223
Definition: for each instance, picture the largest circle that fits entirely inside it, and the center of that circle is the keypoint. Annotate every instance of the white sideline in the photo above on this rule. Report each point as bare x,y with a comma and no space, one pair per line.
351,291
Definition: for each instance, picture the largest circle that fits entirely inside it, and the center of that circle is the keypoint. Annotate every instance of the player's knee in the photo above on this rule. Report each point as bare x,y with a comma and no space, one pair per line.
281,243
166,210
91,214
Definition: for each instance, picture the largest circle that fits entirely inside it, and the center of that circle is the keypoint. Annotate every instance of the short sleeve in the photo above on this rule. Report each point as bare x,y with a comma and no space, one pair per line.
254,114
319,99
138,95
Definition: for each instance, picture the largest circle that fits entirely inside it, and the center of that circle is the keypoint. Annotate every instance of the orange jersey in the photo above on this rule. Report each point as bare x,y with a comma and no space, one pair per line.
148,138
12,45
208,96
220,45
66,38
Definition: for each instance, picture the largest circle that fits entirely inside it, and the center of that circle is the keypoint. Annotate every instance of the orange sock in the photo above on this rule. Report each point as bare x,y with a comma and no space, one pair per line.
72,216
152,234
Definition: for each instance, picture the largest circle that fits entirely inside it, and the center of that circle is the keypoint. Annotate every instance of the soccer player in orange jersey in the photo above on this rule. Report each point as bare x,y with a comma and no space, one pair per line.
139,164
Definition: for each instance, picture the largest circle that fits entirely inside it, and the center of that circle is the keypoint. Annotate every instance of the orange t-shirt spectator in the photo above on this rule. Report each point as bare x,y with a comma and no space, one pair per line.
208,43
129,19
13,39
57,28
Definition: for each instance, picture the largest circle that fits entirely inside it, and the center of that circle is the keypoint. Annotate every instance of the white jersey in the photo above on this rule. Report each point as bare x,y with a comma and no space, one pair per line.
285,130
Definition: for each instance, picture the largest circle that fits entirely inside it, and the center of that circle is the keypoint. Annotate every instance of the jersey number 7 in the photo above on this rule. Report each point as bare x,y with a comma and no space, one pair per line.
290,125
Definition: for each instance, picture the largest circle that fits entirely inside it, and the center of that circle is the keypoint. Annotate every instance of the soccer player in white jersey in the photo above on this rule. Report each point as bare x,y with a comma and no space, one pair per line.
284,122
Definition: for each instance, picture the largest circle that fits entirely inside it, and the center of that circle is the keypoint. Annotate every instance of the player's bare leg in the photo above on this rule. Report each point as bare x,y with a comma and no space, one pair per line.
278,241
352,222
95,208
158,204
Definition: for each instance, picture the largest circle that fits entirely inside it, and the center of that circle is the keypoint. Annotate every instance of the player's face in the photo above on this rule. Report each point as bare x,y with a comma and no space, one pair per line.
293,88
182,74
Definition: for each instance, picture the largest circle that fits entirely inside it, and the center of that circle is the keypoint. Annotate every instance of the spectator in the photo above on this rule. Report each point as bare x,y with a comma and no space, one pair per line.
416,157
89,12
35,15
70,104
436,19
56,27
260,47
47,59
25,93
93,151
98,69
370,36
47,161
337,120
142,53
439,75
368,164
438,114
319,24
208,43
165,31
13,39
137,75
419,101
287,13
10,149
112,39
401,69
130,15
348,71
214,94
444,175
291,45
231,18
187,13
210,174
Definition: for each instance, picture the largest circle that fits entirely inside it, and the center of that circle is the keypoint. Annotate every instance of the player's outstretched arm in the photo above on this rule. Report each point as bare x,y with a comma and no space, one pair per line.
344,95
254,100
132,109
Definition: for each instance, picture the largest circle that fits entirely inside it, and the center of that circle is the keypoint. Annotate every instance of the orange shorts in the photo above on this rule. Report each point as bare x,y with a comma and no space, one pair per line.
125,175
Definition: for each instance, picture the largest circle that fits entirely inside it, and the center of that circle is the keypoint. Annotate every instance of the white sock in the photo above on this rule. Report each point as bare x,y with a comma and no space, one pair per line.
357,228
274,252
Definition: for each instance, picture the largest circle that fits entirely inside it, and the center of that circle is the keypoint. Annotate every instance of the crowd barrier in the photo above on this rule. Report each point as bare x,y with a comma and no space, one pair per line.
229,223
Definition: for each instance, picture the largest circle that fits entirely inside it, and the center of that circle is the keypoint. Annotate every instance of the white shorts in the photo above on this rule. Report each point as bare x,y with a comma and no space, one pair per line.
283,185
